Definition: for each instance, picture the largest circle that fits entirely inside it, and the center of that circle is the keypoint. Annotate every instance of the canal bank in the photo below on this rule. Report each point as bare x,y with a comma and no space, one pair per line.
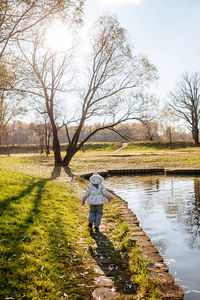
140,243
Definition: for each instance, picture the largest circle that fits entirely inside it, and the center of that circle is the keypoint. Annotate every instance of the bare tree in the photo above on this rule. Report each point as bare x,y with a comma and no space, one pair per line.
112,91
9,108
150,130
185,101
44,132
44,79
149,116
19,16
17,20
116,79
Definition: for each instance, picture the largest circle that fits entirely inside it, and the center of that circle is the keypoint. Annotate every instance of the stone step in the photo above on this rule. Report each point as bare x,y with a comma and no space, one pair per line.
151,257
107,293
170,291
161,276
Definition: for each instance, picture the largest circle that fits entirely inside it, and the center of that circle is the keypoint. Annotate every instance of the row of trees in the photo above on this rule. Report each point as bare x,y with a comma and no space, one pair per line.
20,133
109,84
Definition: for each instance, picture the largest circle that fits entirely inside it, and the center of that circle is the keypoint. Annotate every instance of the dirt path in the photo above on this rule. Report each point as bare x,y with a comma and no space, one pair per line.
123,146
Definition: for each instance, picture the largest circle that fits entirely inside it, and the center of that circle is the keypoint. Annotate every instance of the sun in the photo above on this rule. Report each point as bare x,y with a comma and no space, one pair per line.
59,37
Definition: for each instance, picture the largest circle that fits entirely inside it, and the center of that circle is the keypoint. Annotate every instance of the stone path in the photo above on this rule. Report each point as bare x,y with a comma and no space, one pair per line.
157,268
123,146
112,269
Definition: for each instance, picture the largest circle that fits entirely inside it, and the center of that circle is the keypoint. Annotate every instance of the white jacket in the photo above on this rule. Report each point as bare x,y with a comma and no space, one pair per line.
96,191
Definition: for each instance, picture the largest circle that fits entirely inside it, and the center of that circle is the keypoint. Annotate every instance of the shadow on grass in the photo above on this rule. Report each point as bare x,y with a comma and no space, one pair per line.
22,244
5,204
17,231
14,235
113,263
75,282
68,172
57,171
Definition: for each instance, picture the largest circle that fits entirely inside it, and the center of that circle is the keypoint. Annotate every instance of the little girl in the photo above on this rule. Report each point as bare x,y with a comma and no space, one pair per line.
95,193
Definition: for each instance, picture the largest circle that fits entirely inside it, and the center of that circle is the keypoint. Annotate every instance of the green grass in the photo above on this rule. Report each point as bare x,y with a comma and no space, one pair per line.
45,248
93,148
46,251
41,224
160,146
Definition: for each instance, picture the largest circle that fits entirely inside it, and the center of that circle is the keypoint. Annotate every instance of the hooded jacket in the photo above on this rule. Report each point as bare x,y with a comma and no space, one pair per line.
96,191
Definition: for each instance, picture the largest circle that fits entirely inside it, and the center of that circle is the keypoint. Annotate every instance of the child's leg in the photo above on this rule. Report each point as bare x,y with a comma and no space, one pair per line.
99,214
92,214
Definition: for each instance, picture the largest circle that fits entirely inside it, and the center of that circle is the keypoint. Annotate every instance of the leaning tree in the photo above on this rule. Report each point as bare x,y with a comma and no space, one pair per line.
113,89
110,89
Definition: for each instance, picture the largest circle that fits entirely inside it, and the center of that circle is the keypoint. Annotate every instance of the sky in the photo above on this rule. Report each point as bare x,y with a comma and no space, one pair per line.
166,31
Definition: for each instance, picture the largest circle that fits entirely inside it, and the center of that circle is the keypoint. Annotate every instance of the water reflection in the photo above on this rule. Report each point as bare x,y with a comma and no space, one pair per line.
169,211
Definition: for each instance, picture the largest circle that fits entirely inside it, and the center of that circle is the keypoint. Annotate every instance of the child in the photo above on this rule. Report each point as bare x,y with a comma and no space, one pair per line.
95,193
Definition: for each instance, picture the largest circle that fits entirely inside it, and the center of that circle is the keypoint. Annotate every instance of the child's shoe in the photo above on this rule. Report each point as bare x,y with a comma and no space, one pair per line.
96,228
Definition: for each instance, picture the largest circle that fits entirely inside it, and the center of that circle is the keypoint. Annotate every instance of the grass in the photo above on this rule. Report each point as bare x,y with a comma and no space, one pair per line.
99,147
86,164
157,146
40,256
80,165
46,251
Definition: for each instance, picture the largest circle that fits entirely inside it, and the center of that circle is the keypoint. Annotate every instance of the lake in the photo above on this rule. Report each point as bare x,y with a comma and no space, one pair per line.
168,208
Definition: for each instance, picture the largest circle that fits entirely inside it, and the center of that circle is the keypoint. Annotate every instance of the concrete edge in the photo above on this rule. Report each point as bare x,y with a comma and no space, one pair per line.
158,171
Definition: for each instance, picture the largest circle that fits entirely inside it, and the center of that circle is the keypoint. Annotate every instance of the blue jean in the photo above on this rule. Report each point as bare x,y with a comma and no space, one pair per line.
95,215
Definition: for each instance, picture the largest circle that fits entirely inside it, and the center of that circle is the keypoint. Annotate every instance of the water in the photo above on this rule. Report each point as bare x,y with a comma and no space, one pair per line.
168,209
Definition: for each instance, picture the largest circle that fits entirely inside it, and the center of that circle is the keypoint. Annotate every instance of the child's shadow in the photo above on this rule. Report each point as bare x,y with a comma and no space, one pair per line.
113,263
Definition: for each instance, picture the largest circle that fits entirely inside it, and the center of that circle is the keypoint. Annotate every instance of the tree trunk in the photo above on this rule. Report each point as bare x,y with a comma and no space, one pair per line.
47,142
196,136
56,147
71,150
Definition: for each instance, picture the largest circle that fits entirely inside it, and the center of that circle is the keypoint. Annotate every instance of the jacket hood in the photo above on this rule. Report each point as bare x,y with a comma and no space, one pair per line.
96,179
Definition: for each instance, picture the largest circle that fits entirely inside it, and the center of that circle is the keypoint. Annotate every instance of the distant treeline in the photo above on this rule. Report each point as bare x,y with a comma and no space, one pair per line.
20,133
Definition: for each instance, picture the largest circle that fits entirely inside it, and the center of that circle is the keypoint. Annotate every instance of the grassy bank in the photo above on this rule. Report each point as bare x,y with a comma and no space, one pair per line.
87,147
41,224
110,147
46,250
157,146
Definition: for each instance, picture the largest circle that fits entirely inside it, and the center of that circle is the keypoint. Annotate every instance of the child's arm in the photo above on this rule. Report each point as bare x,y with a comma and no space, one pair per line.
105,193
84,198
109,198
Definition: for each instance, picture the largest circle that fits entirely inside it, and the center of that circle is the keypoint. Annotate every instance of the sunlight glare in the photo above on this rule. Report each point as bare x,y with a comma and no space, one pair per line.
59,37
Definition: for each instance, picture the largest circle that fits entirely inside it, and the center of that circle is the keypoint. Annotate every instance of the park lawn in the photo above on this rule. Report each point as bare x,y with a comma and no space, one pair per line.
46,251
156,146
99,147
83,164
43,240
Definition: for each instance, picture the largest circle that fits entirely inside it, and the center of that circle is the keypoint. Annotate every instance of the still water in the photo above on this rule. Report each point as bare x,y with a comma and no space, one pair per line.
168,209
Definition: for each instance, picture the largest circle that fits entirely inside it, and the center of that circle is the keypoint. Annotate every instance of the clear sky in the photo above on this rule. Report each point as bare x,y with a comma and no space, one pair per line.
166,31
